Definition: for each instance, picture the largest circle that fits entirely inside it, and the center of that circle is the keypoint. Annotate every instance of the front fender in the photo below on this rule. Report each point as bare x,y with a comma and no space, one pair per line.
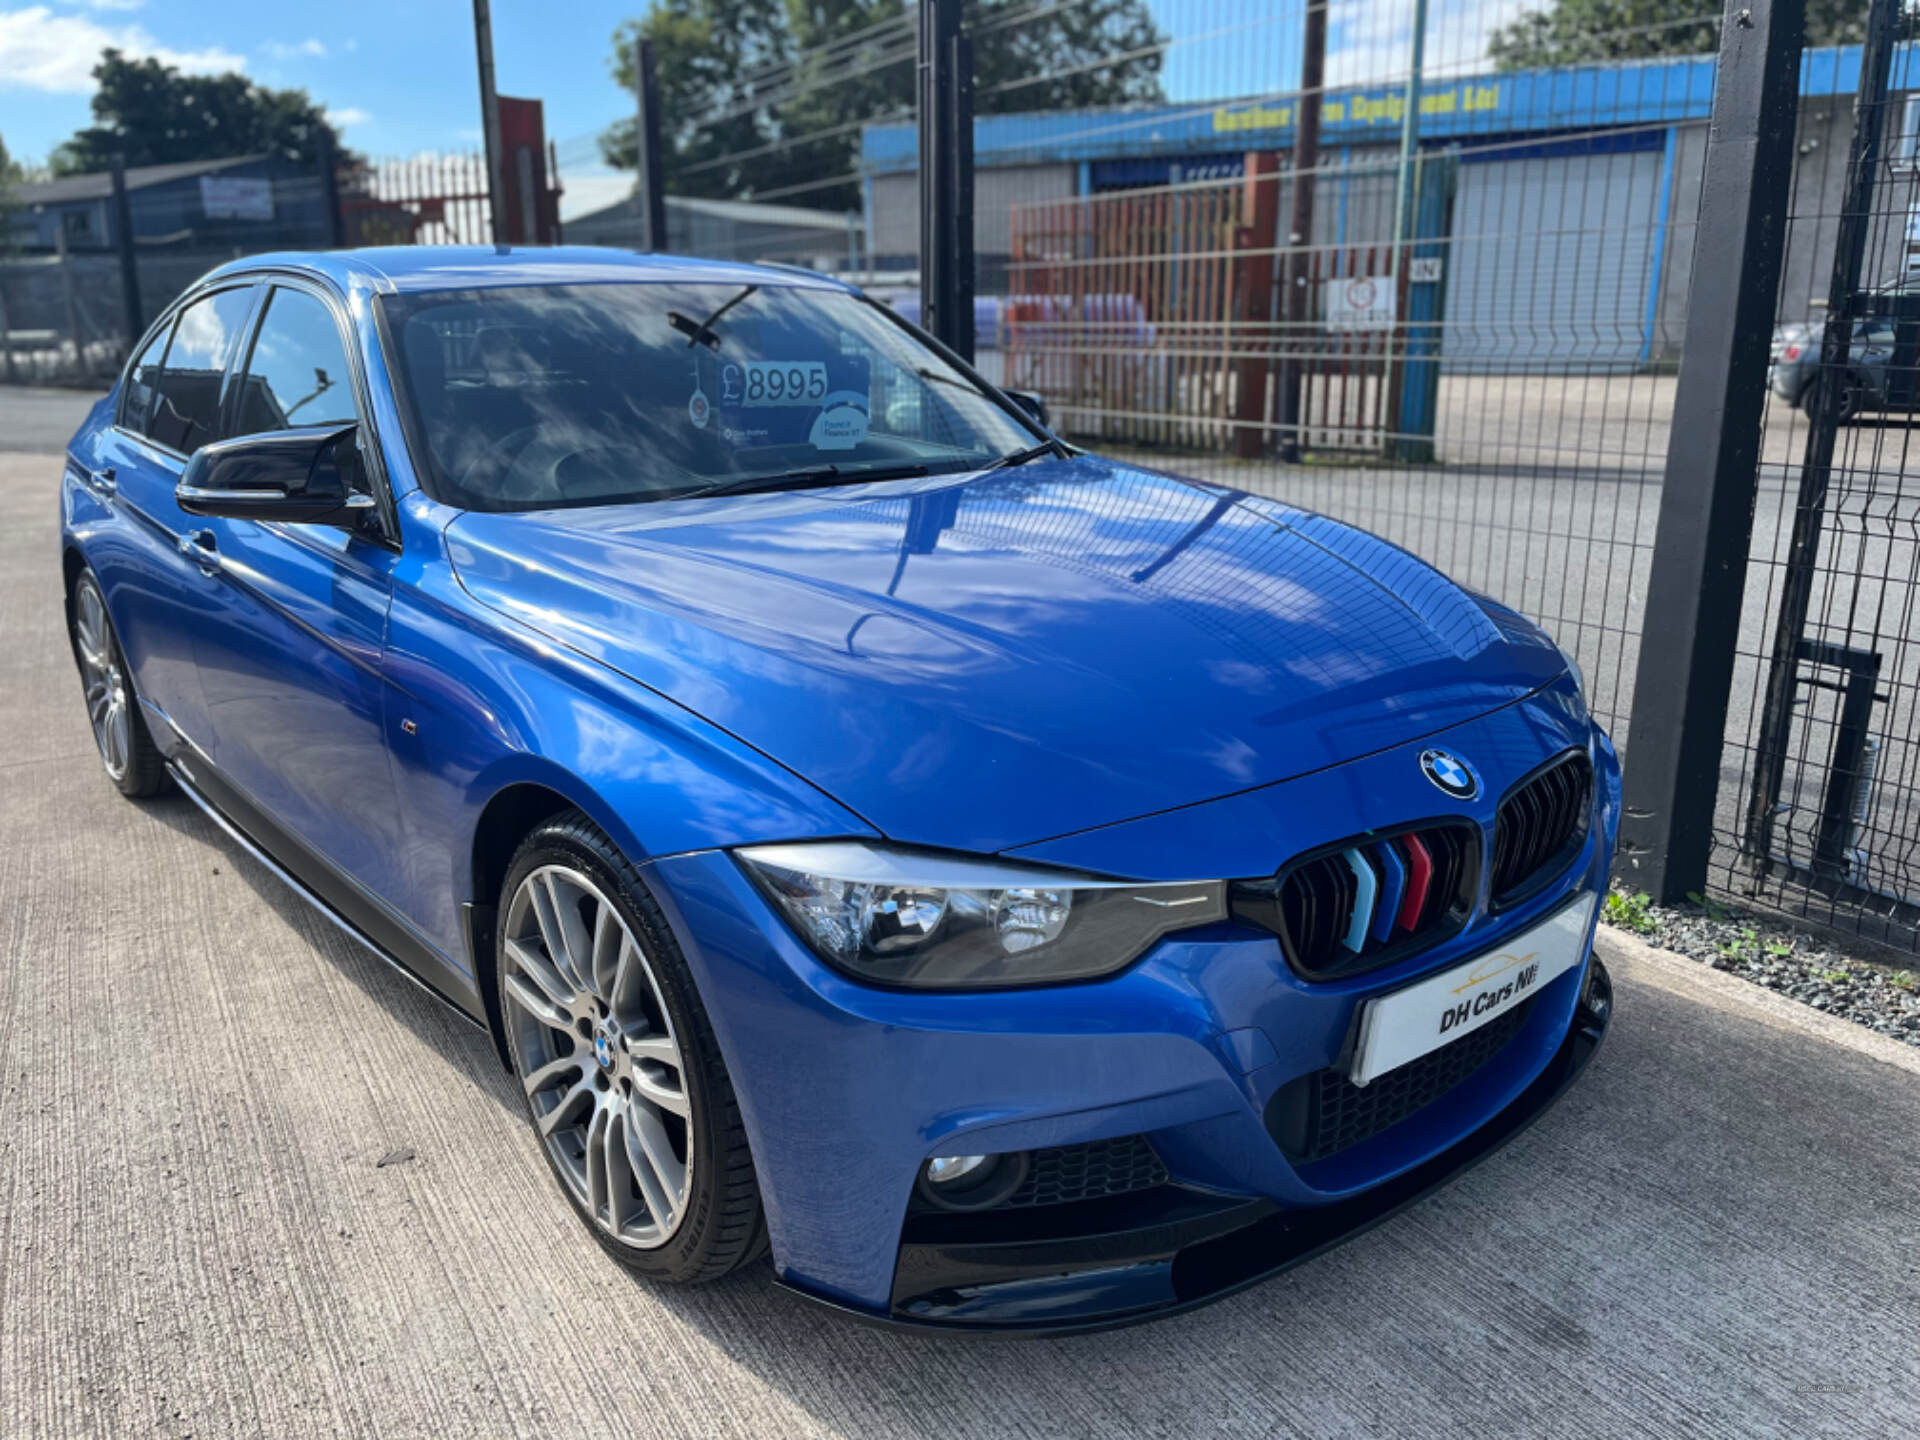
479,702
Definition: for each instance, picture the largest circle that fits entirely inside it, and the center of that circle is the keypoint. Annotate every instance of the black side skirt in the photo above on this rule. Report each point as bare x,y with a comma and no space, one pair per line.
310,877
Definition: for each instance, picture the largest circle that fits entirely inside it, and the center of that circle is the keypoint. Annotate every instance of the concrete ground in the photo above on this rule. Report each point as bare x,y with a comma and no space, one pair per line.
1714,1234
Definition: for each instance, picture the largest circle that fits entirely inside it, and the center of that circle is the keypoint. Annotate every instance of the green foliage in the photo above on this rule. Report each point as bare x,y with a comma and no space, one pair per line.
1580,32
1715,911
153,115
1631,911
806,121
1904,980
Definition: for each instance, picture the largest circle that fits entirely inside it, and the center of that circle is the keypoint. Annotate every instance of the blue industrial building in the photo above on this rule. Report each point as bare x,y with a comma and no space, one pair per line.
1570,232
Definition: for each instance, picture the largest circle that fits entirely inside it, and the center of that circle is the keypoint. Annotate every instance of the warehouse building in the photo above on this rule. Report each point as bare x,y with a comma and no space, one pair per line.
1567,227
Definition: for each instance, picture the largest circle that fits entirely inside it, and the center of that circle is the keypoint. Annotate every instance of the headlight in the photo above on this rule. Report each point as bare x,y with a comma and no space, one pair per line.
899,917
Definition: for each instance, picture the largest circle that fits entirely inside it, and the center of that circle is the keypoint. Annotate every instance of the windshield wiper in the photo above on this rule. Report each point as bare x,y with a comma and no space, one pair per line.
805,476
1032,452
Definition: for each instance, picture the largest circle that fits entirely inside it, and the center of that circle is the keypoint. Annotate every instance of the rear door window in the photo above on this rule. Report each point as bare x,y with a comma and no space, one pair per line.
186,405
136,403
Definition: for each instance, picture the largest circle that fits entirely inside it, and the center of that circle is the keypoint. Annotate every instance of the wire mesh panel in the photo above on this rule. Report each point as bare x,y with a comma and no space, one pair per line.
1454,319
1819,809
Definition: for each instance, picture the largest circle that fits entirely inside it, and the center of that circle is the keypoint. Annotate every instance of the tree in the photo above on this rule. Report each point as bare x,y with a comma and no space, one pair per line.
153,115
1579,32
752,103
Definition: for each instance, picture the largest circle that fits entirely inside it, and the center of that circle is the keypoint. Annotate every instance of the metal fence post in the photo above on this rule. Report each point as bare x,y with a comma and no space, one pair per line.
1816,468
129,263
1296,275
328,164
1694,593
1252,304
650,185
946,177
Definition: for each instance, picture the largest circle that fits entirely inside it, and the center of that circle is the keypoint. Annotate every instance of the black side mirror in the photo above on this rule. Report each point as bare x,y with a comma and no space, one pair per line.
297,476
1033,404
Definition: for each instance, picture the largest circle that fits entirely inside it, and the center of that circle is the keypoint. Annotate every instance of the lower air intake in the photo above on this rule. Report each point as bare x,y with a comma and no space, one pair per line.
1321,1114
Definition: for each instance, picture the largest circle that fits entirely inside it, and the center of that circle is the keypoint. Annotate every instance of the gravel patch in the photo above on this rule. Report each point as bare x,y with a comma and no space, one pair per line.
1770,953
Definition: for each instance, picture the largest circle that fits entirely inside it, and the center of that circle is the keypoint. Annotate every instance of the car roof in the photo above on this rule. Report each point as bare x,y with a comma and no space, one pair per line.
398,269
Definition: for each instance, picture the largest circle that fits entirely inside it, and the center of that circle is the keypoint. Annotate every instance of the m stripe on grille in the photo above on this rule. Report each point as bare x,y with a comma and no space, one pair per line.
1369,889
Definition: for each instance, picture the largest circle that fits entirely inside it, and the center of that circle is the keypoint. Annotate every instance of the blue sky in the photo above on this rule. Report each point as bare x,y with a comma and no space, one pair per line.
399,74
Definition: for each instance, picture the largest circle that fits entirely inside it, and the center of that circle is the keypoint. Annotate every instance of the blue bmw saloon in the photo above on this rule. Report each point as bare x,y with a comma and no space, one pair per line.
1017,889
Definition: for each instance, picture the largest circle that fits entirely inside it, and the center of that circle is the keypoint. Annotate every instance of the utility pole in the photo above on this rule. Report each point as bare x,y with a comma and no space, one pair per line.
946,177
1409,140
129,264
490,121
1297,275
650,181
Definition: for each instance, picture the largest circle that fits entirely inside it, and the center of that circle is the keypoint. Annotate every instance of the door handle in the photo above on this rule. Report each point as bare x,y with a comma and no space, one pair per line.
102,481
201,547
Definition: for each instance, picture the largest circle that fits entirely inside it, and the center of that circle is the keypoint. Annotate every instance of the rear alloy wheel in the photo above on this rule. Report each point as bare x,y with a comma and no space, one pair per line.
127,750
623,1081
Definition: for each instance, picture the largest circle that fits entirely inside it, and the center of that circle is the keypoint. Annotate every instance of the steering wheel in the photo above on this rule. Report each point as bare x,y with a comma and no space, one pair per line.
525,464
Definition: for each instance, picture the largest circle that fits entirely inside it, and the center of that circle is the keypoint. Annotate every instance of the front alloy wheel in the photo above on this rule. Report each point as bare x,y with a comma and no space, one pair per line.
624,1082
603,1071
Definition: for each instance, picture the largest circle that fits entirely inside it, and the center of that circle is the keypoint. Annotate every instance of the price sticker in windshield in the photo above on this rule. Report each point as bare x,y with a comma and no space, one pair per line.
755,383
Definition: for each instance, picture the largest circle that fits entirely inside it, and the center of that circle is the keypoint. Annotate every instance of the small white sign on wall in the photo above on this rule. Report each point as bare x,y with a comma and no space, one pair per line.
1358,302
1424,269
225,197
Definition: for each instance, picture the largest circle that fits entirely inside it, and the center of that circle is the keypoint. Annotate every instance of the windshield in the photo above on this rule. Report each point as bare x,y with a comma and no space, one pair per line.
530,398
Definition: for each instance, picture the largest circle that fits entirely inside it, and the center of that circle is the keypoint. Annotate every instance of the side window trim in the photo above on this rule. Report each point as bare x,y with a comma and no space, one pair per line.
371,450
161,330
169,322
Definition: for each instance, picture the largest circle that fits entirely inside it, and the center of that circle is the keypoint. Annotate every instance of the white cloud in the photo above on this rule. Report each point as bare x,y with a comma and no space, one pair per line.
308,49
352,115
40,50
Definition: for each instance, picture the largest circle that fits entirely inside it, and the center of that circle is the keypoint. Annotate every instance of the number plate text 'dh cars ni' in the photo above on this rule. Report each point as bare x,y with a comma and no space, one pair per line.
1407,1024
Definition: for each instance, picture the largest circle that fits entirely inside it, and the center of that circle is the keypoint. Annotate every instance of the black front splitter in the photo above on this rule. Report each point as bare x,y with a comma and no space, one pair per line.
1197,1254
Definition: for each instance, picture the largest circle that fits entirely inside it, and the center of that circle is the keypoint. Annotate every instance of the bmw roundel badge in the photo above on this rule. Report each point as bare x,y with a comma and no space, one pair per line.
1450,773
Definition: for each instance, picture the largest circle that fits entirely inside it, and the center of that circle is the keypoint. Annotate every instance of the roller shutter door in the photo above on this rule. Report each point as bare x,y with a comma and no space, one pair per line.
1552,262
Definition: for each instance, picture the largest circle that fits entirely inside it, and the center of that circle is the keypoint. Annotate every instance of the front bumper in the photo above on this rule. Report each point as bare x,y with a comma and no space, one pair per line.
1188,1248
847,1090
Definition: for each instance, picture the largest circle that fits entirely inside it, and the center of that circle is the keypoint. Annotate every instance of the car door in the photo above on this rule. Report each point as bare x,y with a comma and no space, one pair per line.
290,661
156,591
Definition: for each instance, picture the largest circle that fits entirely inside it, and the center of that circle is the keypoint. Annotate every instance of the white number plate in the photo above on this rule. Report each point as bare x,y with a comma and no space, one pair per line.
1407,1024
784,382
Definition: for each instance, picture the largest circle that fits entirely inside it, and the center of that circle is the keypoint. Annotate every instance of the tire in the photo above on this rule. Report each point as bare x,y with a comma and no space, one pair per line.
621,1074
1849,406
127,752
